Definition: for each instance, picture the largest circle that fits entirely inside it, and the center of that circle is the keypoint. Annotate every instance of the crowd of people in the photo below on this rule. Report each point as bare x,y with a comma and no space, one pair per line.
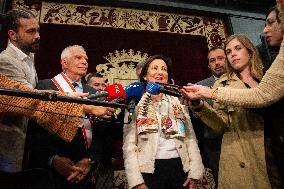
230,123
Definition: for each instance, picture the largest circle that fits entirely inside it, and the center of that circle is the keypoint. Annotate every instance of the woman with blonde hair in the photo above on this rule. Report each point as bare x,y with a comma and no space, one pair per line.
242,162
270,91
254,61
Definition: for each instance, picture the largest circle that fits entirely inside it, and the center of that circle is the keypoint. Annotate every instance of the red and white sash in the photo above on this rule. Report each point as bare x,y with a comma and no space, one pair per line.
64,85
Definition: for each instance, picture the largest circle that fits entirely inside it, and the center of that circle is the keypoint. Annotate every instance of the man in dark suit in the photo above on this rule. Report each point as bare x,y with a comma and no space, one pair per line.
210,141
71,165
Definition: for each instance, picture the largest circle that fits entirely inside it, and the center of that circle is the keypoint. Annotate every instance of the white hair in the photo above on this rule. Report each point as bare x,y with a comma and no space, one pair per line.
66,53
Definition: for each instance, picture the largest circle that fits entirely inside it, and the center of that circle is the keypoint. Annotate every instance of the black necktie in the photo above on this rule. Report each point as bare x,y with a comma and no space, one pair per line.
75,84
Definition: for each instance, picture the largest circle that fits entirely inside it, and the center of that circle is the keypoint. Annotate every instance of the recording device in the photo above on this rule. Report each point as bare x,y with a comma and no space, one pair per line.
134,93
99,95
56,97
115,91
111,92
154,89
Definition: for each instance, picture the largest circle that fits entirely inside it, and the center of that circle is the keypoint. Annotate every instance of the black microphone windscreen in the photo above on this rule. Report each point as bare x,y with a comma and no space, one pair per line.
169,92
98,95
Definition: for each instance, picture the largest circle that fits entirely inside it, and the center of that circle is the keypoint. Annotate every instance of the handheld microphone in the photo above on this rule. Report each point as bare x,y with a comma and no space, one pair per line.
134,93
99,95
154,89
115,91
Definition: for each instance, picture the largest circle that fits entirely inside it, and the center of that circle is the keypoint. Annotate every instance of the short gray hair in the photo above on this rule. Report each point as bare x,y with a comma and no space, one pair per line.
66,53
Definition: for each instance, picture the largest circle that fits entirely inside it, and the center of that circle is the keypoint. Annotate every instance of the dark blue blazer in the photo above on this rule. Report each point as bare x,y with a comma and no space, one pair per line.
44,146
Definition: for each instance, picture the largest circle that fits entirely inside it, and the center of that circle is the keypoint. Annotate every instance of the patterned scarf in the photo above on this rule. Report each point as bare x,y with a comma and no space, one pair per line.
173,119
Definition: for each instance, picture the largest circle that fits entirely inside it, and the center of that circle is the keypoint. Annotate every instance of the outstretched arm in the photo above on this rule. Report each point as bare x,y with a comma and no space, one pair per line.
59,118
270,89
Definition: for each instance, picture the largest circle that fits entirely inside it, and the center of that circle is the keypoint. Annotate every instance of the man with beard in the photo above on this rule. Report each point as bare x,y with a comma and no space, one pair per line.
17,63
209,141
17,60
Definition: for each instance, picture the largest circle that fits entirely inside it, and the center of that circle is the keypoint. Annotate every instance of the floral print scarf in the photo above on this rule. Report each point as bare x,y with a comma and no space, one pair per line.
172,118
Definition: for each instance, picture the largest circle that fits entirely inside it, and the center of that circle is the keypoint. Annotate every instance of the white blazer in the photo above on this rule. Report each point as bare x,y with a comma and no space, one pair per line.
139,152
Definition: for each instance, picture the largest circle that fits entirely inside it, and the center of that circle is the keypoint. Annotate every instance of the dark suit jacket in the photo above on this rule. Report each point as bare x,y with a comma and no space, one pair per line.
209,141
209,82
44,146
208,132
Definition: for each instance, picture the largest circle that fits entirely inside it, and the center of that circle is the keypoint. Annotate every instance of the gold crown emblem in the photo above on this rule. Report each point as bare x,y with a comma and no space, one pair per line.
121,66
124,56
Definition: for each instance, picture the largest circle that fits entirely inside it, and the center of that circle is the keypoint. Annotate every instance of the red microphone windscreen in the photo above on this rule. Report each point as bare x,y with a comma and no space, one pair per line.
115,91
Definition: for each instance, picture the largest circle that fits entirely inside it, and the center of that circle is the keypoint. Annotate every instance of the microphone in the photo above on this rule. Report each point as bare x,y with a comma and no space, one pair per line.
134,93
47,96
154,89
99,95
111,94
115,91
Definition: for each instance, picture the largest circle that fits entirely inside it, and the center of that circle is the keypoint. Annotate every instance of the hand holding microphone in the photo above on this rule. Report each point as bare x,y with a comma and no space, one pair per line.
115,91
132,94
196,104
192,104
154,89
99,111
99,95
111,93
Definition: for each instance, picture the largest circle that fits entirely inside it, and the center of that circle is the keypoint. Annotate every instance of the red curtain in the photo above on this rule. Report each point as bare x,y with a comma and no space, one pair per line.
188,52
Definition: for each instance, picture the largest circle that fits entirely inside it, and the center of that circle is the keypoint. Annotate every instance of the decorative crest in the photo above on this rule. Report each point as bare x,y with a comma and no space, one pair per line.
123,56
121,66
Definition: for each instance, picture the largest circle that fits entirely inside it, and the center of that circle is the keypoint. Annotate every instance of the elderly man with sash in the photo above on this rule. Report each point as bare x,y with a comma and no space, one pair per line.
71,164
